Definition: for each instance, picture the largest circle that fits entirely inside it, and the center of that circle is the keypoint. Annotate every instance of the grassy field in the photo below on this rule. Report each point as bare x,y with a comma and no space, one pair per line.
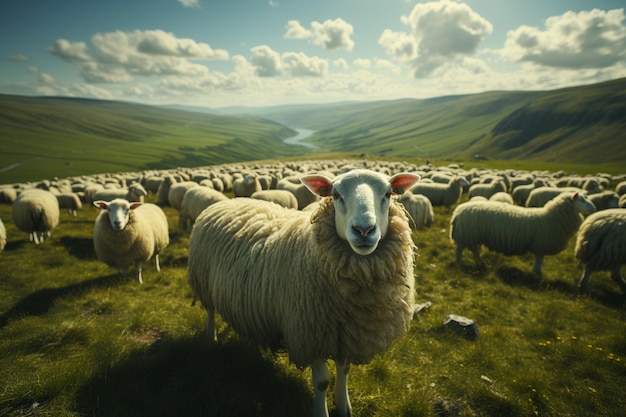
78,340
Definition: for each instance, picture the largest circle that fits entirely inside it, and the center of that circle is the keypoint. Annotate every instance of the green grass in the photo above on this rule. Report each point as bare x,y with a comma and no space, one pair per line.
78,340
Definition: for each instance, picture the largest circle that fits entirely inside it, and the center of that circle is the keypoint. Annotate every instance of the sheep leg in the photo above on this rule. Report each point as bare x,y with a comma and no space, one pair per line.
156,262
139,272
459,255
321,380
582,284
209,325
616,274
537,266
342,400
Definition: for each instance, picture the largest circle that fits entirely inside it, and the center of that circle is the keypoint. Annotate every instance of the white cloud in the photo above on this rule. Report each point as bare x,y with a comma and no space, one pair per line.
588,39
18,58
269,63
190,3
362,63
331,34
299,64
341,64
118,56
442,32
266,61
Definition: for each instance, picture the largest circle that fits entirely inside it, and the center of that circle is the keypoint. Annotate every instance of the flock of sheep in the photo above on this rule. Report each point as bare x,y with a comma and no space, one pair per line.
318,256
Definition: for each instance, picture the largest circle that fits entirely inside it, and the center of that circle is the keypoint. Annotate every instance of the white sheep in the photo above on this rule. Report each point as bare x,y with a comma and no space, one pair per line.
246,185
70,202
177,192
487,189
515,230
540,196
605,200
129,233
601,245
194,202
419,208
36,212
135,192
280,197
441,194
501,197
3,236
299,190
334,283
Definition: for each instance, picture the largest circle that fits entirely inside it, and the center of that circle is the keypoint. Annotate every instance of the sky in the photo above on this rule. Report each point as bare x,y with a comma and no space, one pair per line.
220,53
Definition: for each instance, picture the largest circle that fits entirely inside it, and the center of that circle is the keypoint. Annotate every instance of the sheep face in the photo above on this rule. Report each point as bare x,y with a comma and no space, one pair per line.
119,211
361,200
583,204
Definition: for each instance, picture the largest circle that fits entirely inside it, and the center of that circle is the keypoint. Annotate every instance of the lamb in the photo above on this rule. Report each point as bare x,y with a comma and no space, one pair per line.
135,192
36,212
419,208
69,201
3,236
601,245
129,233
194,202
442,194
281,197
515,230
246,186
333,283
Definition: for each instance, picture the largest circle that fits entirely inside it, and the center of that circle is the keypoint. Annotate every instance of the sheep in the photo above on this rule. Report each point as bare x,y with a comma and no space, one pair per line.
605,200
441,194
540,196
302,193
3,236
164,190
601,245
334,283
194,202
129,233
177,192
520,192
620,188
419,208
487,189
246,186
135,192
515,230
36,212
69,201
280,197
501,197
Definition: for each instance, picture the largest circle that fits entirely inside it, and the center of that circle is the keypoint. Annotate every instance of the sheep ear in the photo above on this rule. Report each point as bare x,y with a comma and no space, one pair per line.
318,184
134,205
575,196
403,181
101,204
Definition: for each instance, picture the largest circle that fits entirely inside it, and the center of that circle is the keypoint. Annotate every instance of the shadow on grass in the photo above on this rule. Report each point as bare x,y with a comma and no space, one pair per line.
515,277
192,378
39,302
79,247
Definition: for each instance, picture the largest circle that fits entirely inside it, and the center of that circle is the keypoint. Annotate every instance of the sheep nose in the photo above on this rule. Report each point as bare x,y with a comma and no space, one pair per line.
363,231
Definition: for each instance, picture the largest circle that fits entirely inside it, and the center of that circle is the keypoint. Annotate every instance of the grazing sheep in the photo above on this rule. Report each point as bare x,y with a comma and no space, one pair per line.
620,188
246,186
129,233
419,208
3,236
520,192
605,200
7,195
441,194
540,196
135,192
502,197
163,192
177,192
515,230
36,212
335,283
70,202
486,189
601,245
281,197
300,191
194,202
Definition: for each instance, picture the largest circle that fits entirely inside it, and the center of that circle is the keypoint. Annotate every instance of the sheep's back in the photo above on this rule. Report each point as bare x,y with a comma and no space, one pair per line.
601,240
36,211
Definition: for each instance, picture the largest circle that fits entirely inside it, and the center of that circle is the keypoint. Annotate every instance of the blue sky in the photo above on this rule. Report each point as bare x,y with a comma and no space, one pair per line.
268,52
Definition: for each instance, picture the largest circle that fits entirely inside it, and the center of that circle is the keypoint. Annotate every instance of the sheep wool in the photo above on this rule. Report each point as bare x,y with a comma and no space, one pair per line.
601,245
514,230
284,278
441,194
127,234
3,236
36,212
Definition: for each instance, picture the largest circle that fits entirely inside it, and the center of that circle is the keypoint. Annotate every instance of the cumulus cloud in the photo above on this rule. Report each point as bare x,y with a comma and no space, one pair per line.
331,34
266,61
441,32
588,39
118,56
18,58
190,3
269,63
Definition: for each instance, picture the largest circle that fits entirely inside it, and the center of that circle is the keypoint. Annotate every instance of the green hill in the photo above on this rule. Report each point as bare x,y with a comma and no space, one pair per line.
46,137
582,125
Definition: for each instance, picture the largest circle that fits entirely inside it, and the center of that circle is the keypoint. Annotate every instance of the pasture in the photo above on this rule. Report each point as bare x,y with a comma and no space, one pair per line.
76,339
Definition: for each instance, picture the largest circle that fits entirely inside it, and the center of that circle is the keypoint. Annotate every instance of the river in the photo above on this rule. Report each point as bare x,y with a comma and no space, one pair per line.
298,139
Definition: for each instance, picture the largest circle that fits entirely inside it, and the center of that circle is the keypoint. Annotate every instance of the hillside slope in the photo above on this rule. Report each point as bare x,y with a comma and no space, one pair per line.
45,137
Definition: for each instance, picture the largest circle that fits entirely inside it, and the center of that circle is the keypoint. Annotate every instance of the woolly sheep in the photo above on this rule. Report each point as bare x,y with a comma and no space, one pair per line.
281,197
622,201
300,191
419,208
135,192
620,188
441,194
7,195
177,192
246,185
515,230
486,189
520,192
540,196
605,200
194,202
601,245
502,197
36,212
70,202
129,233
164,190
336,283
3,236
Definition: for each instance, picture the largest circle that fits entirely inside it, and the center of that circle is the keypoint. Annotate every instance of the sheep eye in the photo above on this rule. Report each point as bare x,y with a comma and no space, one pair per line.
336,196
